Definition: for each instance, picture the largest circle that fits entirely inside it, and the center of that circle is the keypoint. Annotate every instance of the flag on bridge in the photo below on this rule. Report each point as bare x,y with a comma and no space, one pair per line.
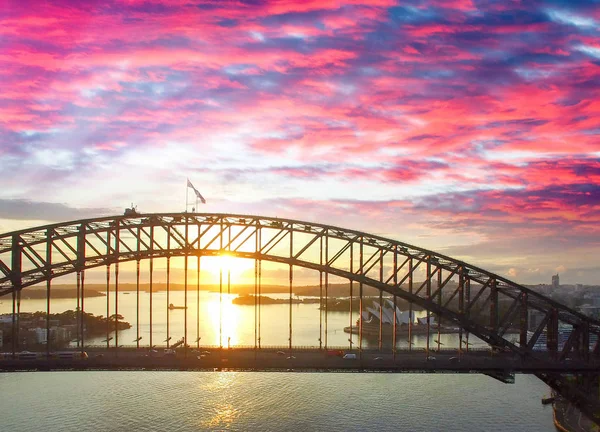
198,194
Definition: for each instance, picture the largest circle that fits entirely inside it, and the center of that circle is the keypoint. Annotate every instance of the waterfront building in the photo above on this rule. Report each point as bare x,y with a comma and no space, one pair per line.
563,335
41,336
590,310
60,335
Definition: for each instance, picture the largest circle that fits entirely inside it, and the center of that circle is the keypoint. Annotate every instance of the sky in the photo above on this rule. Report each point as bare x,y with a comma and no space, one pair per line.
470,127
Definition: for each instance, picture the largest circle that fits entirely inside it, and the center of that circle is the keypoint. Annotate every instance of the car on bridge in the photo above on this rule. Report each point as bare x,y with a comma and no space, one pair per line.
26,355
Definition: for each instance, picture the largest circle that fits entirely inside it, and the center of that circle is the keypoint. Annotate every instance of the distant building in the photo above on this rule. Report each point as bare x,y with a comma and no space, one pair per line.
1,339
555,281
563,336
534,318
60,335
41,336
592,311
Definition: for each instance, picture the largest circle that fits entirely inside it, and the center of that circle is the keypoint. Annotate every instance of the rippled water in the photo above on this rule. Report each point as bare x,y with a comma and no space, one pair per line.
196,401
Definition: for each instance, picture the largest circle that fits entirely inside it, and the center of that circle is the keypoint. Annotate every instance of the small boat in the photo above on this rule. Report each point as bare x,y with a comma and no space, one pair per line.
172,307
547,400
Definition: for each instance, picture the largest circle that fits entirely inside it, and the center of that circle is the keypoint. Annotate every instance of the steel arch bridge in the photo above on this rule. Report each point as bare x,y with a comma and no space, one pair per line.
479,302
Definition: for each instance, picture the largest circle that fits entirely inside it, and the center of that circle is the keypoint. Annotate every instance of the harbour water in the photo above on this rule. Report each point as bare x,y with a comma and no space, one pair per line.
197,401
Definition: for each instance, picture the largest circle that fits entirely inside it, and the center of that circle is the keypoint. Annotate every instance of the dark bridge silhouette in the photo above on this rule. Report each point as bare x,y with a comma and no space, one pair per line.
479,302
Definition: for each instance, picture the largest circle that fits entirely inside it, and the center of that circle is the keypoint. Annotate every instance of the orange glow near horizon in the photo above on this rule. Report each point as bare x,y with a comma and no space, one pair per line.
235,266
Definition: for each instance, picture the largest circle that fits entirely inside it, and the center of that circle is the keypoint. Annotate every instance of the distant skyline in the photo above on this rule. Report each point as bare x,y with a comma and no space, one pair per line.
470,127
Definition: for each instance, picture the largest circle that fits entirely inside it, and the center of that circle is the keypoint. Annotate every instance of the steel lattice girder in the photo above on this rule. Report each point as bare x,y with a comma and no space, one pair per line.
28,257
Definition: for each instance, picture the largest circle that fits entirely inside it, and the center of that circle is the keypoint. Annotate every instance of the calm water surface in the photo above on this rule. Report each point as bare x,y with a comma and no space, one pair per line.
197,401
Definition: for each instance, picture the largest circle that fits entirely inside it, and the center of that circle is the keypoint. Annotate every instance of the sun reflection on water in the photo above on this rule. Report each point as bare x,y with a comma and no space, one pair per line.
224,316
223,413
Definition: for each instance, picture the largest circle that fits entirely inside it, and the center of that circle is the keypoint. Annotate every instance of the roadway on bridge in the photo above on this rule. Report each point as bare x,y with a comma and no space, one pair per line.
296,360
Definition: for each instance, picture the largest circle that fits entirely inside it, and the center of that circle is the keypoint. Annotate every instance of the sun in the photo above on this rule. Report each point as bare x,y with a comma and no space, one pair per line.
240,270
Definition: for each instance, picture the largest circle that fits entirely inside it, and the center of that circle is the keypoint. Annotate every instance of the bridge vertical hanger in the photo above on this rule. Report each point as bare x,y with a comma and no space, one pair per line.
49,233
410,306
228,274
185,285
150,283
198,251
83,326
259,227
360,294
81,282
221,285
256,290
78,308
351,286
107,306
439,299
326,284
291,231
116,258
137,291
380,344
108,260
169,253
321,293
394,330
461,305
467,306
428,299
16,280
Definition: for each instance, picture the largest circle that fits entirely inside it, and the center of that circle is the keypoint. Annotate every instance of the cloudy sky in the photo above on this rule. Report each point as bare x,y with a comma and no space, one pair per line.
471,127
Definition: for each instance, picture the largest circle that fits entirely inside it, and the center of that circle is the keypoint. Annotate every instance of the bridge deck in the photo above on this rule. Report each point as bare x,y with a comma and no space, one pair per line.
297,360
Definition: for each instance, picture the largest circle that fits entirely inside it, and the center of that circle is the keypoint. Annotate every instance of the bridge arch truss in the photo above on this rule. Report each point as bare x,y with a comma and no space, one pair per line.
479,302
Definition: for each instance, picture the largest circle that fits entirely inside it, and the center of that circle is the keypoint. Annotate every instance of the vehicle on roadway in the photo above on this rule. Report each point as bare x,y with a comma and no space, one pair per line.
70,355
349,356
26,355
280,353
378,359
431,358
